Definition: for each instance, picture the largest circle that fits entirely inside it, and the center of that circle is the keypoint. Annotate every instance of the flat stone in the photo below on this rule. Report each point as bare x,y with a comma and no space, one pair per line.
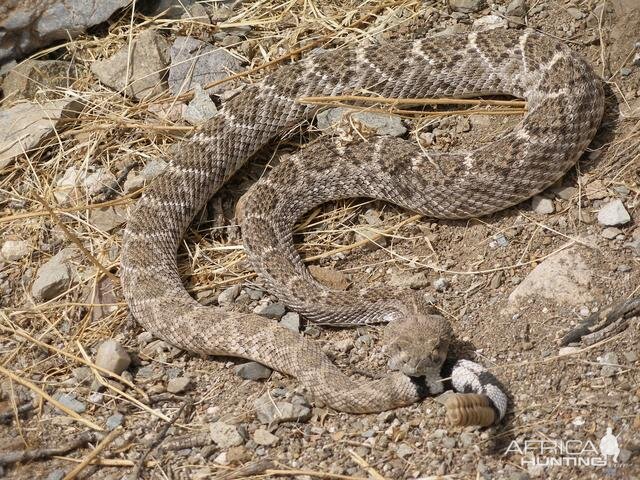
466,6
610,233
69,400
613,214
200,109
404,450
106,219
263,437
517,8
24,126
542,205
380,123
270,410
194,62
145,61
178,384
229,295
225,435
415,280
29,25
291,320
55,276
252,371
563,277
270,310
13,250
57,474
114,421
596,190
112,356
150,171
31,76
565,193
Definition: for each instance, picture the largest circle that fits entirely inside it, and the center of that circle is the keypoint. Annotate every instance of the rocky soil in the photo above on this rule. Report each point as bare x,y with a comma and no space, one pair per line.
86,123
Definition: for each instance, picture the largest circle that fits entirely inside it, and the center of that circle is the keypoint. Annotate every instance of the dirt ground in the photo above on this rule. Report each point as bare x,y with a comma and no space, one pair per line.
557,400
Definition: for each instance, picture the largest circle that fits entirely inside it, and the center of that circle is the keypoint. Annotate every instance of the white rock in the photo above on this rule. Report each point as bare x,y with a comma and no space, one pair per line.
613,214
542,205
13,250
263,437
54,276
564,278
225,435
112,356
200,109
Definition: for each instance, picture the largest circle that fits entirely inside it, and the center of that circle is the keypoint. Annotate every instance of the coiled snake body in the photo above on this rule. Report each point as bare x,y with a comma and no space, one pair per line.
565,105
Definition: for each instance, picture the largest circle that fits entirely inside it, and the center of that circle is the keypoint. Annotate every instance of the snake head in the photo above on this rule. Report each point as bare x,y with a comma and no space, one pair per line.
417,346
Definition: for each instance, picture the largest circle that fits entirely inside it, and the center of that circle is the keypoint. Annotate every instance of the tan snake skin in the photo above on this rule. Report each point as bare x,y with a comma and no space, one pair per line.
565,106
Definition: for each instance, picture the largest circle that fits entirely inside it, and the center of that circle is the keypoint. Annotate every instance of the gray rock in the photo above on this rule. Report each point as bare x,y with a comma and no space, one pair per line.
517,8
145,61
229,295
27,26
54,276
107,219
112,356
466,6
13,250
263,437
150,171
225,435
344,346
200,109
252,371
57,474
194,62
26,125
542,205
381,123
114,421
404,450
178,384
610,233
610,363
270,310
565,193
613,214
441,284
291,320
25,80
170,8
69,400
269,410
575,13
563,278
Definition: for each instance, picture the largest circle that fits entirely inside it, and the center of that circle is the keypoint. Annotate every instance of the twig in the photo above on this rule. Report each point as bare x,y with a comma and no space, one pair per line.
49,398
157,441
76,240
94,453
43,453
363,463
327,100
6,417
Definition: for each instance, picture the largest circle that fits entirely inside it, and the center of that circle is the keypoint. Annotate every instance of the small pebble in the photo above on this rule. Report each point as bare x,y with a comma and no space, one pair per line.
252,371
178,384
112,356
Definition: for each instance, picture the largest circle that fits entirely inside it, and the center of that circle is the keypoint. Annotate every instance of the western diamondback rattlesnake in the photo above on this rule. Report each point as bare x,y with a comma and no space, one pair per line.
565,106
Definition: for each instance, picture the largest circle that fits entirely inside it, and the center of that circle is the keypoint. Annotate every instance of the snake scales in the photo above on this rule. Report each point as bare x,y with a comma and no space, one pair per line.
565,106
